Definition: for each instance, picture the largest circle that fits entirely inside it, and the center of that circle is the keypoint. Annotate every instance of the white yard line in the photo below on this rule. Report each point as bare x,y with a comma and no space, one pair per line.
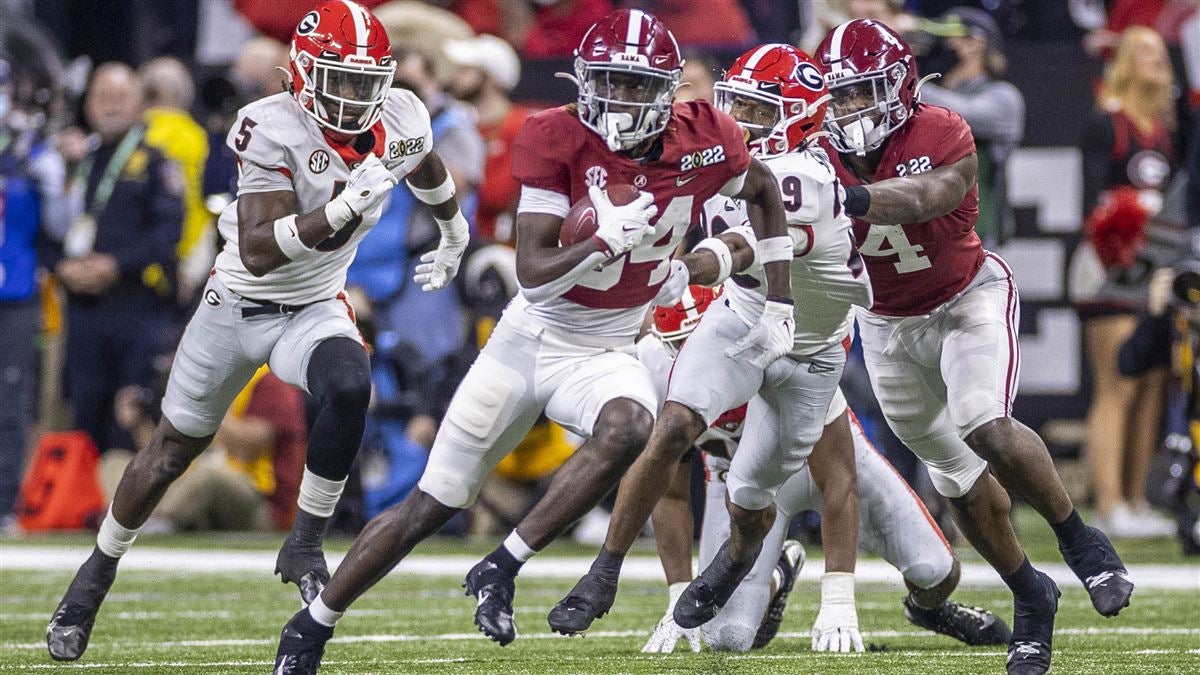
165,560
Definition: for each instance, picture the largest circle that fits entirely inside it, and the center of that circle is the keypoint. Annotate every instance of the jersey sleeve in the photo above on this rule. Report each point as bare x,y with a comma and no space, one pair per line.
537,161
262,155
253,177
410,118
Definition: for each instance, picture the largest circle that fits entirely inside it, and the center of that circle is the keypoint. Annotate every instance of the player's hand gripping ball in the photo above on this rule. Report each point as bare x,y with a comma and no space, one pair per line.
618,215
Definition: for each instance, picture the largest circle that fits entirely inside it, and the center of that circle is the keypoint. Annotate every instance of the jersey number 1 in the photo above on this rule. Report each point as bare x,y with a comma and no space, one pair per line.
897,243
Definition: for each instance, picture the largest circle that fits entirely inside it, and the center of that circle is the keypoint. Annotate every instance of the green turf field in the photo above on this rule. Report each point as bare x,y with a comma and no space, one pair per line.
156,622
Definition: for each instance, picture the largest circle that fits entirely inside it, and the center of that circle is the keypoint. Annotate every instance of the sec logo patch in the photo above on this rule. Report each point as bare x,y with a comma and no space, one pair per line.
318,161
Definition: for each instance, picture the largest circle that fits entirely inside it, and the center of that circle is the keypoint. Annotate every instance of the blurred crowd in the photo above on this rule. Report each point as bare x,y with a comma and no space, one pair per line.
114,162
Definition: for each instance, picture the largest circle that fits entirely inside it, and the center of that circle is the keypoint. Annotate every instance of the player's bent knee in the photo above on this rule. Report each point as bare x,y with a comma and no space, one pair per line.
992,438
731,636
448,489
678,427
623,427
340,374
746,496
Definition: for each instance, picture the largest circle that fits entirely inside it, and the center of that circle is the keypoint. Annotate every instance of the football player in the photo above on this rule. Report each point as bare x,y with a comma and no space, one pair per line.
778,97
316,164
893,524
565,345
941,340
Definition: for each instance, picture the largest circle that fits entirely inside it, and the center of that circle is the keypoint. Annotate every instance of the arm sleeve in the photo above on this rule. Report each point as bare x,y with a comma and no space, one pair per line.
1096,146
996,113
162,222
535,162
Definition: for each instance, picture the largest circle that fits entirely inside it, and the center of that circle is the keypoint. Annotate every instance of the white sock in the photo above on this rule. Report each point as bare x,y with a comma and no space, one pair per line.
113,540
322,614
515,545
318,495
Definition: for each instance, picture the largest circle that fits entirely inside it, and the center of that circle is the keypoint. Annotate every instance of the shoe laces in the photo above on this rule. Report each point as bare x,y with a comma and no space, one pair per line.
1025,648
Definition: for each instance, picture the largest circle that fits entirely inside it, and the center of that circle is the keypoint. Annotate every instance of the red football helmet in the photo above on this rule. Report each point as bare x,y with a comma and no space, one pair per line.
672,325
787,80
872,76
341,62
627,69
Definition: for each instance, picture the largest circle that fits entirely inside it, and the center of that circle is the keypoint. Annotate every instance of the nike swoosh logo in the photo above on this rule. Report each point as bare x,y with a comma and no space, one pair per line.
630,229
680,181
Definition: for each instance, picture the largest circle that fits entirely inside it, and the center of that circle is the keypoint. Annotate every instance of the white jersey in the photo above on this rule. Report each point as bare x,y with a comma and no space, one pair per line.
828,277
279,147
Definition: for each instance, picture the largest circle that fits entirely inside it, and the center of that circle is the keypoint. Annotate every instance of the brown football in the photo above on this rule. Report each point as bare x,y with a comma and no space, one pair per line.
580,222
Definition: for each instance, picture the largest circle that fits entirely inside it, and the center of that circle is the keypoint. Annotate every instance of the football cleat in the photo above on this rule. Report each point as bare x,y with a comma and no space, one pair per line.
301,645
1098,566
493,590
303,566
1033,629
707,594
591,599
71,625
791,559
972,625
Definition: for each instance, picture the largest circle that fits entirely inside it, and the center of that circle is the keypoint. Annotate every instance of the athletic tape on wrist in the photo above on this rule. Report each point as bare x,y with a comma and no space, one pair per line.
338,213
837,587
287,237
435,195
454,230
724,257
775,249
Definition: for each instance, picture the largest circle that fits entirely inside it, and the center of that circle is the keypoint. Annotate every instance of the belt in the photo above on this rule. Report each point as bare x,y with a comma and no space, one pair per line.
266,307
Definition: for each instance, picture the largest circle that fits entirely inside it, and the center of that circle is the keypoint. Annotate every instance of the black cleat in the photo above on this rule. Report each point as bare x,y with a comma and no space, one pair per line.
707,594
591,599
791,559
71,626
972,625
301,645
1101,571
303,566
1033,631
493,590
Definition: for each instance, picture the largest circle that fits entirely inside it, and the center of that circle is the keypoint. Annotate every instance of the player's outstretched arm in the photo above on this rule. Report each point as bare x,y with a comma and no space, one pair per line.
431,183
916,198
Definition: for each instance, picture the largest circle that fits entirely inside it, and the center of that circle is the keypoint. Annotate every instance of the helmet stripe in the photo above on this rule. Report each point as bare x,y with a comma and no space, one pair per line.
757,56
835,48
633,32
360,26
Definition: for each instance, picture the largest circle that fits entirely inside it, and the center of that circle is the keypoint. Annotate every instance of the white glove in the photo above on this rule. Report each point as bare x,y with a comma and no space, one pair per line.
667,632
622,227
836,628
673,288
438,268
769,339
368,185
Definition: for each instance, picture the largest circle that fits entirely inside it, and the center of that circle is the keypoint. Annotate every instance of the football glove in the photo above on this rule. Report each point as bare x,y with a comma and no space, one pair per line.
836,627
438,268
673,288
667,633
622,227
770,338
369,183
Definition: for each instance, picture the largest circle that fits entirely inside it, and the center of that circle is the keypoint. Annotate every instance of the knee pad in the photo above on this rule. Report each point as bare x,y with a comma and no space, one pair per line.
748,496
732,636
449,489
956,478
927,574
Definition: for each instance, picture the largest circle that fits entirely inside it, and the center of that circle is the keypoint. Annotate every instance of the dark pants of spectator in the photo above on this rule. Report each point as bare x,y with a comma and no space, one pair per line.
18,357
109,346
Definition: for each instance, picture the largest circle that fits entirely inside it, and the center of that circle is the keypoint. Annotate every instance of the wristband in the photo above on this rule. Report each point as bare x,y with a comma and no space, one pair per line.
747,233
724,257
775,249
857,201
434,195
783,300
287,237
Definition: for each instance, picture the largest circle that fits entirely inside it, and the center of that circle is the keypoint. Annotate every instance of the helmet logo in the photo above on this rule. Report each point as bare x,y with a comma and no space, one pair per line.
308,24
808,75
596,175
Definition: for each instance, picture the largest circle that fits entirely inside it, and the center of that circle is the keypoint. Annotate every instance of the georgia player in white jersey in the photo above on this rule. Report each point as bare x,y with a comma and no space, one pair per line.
893,524
565,346
778,97
316,165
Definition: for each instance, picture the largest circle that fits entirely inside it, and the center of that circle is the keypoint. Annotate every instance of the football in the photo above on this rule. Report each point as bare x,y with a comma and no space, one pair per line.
580,222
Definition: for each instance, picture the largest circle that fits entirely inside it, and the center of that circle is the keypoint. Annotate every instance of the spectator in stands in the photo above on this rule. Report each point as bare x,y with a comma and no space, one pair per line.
117,259
33,177
995,109
1126,145
171,129
278,18
823,16
714,25
554,28
488,69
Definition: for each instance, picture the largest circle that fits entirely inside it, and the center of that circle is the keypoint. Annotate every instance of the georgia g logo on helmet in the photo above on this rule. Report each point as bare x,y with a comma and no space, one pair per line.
808,75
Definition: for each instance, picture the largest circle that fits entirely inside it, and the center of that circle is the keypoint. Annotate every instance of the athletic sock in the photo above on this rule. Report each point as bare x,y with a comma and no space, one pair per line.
318,495
510,555
1071,531
321,613
308,531
114,540
1024,582
608,564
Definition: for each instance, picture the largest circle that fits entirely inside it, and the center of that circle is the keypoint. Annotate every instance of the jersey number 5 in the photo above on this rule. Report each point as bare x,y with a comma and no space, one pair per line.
896,242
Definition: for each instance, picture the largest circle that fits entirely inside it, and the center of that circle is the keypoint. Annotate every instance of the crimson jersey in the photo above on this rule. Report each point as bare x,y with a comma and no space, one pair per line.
915,267
702,151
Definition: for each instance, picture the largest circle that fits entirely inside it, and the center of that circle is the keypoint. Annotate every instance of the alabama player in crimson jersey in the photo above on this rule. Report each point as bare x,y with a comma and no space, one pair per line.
777,95
941,340
316,164
565,345
894,523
